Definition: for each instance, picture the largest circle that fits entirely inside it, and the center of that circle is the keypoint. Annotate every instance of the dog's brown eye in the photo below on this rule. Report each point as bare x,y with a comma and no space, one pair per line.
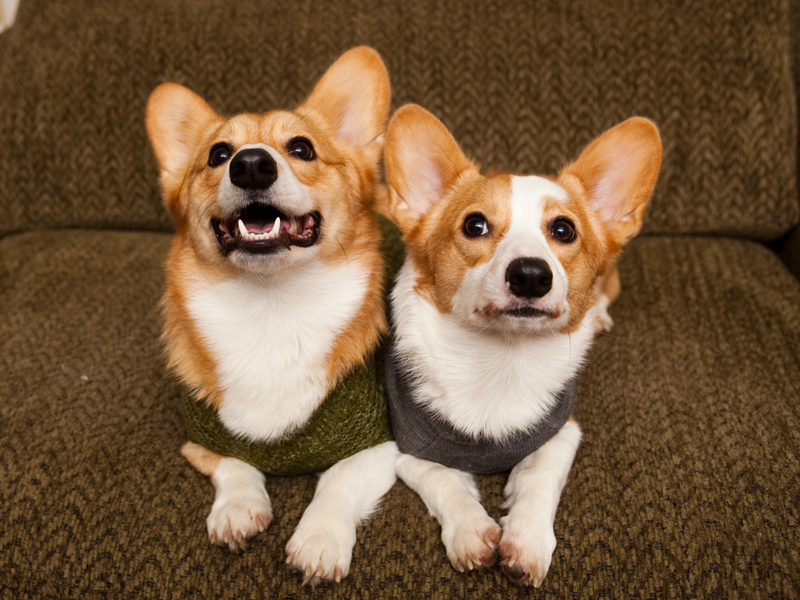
301,148
220,154
563,231
475,225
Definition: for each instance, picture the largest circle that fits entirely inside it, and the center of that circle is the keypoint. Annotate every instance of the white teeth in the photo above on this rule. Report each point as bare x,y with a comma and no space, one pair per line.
254,237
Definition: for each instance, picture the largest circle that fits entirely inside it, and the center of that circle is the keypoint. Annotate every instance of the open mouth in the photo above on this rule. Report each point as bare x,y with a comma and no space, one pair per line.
527,312
519,312
263,229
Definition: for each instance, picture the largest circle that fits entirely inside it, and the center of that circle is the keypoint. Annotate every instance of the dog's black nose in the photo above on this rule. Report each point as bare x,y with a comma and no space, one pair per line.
253,169
529,277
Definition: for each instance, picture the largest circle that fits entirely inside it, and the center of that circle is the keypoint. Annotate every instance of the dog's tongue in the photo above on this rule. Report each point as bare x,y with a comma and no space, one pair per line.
258,226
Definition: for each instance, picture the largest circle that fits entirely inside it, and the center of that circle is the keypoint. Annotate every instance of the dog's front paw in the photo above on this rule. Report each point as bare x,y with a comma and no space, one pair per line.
471,542
235,520
526,551
603,323
321,551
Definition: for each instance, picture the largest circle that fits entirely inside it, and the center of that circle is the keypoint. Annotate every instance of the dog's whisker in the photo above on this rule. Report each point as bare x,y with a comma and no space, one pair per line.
347,260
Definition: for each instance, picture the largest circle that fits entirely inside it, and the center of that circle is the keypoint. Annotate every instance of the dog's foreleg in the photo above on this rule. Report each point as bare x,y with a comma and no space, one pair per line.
322,545
609,291
532,495
469,535
241,507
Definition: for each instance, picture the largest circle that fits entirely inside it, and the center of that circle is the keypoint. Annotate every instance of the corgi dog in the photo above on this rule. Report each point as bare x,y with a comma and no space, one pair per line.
274,288
506,280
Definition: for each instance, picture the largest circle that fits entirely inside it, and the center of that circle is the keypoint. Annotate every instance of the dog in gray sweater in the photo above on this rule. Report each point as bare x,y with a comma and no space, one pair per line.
506,282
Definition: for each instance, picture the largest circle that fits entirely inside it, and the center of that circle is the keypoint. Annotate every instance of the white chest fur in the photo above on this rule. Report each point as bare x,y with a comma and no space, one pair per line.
483,383
271,338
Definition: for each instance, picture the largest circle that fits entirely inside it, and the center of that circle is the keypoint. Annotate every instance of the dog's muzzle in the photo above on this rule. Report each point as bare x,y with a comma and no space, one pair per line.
260,227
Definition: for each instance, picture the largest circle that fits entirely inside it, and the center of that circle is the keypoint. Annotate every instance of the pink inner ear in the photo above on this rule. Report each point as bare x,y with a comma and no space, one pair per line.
615,185
350,127
605,196
425,190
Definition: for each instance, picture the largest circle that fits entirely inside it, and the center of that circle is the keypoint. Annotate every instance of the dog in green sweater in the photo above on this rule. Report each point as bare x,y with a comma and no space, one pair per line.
274,306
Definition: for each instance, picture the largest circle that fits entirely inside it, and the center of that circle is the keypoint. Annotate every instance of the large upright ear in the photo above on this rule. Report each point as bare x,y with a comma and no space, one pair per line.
353,96
422,162
177,120
618,172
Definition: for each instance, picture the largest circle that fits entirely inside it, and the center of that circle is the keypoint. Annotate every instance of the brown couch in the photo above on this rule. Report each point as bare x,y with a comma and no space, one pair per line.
687,483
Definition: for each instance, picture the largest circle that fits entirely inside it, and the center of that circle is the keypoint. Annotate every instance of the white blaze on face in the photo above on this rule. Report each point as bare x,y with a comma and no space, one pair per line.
485,285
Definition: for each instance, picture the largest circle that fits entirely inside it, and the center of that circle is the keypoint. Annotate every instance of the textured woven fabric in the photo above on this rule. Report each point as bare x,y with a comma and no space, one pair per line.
686,483
421,432
350,419
523,86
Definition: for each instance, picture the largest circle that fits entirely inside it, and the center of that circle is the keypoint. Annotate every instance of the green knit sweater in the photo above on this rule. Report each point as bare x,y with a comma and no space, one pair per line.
351,418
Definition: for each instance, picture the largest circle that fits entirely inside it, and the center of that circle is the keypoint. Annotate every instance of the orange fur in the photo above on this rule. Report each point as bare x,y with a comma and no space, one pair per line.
580,259
201,459
365,330
188,355
442,254
611,285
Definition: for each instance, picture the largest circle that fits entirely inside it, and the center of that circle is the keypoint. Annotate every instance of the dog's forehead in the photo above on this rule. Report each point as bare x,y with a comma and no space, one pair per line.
529,195
530,198
250,128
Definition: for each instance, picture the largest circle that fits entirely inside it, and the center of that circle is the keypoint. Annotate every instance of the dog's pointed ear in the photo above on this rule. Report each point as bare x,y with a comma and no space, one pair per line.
353,96
618,172
422,161
177,120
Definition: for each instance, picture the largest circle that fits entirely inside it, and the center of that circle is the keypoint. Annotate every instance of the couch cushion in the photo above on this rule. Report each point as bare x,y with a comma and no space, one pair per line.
521,88
686,484
690,409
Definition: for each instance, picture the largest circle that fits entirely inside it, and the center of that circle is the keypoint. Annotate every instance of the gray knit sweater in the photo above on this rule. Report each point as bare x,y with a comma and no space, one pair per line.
424,434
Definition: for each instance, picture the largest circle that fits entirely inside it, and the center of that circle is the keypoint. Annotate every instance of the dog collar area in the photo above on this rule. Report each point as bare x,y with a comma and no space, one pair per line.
423,434
352,418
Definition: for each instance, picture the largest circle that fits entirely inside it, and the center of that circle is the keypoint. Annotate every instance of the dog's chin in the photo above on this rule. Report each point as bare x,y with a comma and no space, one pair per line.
272,263
260,231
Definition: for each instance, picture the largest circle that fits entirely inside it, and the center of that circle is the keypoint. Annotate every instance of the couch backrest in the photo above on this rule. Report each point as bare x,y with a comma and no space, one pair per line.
523,86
